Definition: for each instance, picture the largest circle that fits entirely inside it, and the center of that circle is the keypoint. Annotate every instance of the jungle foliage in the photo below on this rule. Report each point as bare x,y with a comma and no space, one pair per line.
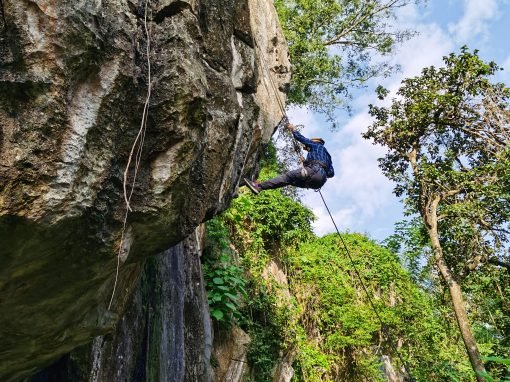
304,302
224,278
487,292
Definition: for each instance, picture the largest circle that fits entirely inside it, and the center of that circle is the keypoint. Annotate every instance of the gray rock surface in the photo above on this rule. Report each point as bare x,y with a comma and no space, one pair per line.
73,83
165,334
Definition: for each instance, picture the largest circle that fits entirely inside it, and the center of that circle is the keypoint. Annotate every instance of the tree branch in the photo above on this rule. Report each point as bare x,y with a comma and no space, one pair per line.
361,20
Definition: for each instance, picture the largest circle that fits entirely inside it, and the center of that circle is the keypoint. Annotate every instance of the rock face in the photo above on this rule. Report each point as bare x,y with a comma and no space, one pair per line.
73,83
165,334
230,355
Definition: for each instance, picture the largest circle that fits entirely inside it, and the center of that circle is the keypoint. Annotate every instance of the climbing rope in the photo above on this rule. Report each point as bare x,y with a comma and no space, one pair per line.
381,322
283,122
281,103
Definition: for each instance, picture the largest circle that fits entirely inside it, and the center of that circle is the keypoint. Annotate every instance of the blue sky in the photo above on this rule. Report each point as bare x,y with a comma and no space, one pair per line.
359,196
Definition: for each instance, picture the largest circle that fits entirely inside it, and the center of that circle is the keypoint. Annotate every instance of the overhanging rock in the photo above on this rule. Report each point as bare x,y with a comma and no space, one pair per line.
73,82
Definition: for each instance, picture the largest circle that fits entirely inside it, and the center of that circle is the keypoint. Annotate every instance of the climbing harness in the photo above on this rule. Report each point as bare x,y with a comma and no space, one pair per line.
283,122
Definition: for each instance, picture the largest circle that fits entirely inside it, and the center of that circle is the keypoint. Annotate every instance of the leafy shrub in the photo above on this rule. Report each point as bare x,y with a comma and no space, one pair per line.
225,281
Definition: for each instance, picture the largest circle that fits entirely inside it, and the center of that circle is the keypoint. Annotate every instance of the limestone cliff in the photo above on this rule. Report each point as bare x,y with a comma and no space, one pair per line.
73,82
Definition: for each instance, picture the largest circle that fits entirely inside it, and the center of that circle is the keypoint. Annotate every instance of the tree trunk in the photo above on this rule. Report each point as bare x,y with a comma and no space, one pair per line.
455,292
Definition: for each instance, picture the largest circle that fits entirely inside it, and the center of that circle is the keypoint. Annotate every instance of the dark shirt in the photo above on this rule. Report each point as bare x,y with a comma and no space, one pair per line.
316,152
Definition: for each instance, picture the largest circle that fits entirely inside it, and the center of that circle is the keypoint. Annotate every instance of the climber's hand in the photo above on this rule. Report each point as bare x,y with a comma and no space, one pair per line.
291,127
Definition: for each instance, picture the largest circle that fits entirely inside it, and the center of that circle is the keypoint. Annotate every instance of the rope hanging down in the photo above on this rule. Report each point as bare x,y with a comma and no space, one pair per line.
281,103
390,338
137,146
283,122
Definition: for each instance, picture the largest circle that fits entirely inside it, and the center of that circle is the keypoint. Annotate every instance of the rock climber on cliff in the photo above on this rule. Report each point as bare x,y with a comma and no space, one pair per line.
317,168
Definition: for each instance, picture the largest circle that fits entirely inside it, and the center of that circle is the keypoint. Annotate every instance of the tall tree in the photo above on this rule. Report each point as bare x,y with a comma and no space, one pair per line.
448,135
332,44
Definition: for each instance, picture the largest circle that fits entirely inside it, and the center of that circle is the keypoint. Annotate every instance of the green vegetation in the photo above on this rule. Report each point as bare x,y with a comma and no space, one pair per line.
304,302
225,281
449,154
336,308
497,360
266,324
332,44
486,291
326,320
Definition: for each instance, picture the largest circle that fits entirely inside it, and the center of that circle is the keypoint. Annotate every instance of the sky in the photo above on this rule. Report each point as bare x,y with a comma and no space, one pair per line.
359,195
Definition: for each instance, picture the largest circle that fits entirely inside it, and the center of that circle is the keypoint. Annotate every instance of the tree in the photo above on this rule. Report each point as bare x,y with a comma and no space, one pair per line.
486,290
448,137
332,44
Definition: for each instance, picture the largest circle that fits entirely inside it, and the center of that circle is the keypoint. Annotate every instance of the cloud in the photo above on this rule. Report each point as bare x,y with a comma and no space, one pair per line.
360,196
426,49
359,179
475,21
359,190
344,219
303,116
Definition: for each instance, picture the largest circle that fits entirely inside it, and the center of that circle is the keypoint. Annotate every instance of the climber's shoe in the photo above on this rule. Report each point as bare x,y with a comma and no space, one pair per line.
253,186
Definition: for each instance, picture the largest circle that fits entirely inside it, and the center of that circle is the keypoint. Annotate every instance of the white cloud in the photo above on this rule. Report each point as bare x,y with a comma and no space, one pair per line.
408,16
344,219
426,49
475,20
360,196
303,116
359,190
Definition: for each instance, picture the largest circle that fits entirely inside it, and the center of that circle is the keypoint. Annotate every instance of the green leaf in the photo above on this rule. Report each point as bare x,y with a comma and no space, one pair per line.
218,280
217,314
500,360
231,296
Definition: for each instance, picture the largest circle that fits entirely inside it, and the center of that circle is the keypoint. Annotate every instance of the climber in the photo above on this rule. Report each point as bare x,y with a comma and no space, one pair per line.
316,168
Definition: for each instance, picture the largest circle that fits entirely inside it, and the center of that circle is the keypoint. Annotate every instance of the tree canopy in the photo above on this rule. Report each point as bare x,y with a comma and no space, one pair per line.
332,46
448,136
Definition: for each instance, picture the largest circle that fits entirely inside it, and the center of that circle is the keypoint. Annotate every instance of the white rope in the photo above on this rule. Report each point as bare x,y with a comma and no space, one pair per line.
138,146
